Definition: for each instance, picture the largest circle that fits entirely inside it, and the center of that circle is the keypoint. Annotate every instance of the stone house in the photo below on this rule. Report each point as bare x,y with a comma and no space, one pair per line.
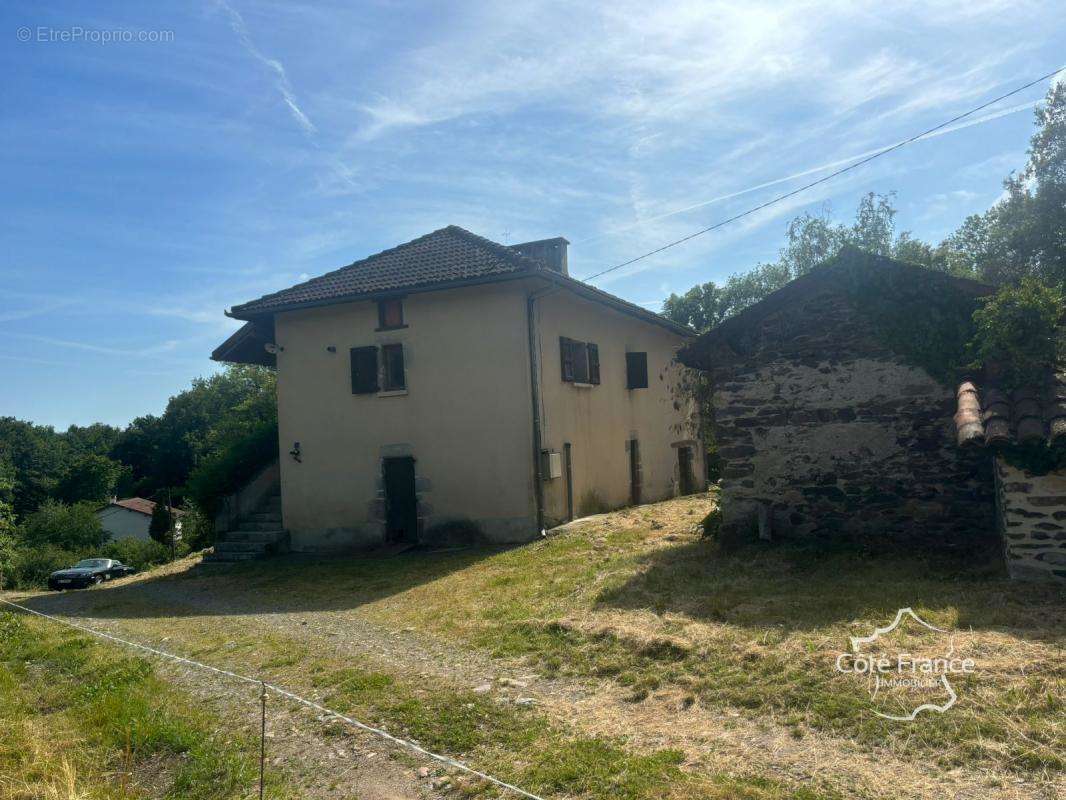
454,379
826,423
1024,433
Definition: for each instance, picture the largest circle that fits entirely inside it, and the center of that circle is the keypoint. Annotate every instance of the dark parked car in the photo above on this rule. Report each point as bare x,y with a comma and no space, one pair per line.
88,572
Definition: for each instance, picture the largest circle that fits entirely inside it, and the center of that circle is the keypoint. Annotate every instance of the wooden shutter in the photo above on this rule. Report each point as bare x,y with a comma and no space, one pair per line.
566,358
636,370
364,370
594,363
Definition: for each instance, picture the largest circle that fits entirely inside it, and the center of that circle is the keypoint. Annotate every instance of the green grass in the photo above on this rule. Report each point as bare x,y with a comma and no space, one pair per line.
754,631
81,719
524,747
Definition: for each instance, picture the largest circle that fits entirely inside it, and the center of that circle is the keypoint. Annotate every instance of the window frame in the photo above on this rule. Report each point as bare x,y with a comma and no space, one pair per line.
579,362
387,365
636,367
383,304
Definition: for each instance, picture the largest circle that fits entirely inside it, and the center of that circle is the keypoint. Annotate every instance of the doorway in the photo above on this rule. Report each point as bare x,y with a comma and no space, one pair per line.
401,501
686,480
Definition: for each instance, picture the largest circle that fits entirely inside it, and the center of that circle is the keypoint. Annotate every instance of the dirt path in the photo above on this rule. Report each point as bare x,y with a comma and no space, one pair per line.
721,741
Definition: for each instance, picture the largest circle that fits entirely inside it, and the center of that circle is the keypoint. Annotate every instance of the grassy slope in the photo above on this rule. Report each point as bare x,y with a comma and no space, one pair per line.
639,599
80,719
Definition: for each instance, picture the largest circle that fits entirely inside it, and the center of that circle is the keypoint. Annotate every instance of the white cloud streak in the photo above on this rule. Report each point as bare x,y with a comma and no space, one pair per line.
807,172
281,78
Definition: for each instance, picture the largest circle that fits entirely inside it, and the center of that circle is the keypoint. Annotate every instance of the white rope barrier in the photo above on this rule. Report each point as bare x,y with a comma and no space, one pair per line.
451,762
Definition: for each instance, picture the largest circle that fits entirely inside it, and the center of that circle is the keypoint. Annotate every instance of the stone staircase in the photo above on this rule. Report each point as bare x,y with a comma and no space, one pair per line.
259,534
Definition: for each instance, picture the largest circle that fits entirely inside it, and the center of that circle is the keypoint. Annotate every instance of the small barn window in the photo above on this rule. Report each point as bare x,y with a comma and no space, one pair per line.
392,358
636,370
364,370
390,314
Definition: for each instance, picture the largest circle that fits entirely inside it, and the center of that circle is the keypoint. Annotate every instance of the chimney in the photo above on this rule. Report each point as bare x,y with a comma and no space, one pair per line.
549,252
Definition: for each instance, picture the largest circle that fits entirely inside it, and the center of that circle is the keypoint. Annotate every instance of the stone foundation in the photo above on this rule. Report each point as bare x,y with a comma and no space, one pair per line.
1032,521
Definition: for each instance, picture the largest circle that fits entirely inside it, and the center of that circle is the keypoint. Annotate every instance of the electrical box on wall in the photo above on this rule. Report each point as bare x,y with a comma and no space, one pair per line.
551,464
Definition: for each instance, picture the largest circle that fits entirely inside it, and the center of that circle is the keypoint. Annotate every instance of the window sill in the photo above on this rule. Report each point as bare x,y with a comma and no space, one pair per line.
393,393
579,385
390,328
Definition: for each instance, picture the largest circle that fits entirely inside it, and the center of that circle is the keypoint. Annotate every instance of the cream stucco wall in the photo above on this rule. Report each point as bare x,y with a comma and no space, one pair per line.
465,417
598,421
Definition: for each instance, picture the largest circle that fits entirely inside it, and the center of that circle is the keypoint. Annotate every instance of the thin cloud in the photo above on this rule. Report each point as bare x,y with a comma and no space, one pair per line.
281,79
812,171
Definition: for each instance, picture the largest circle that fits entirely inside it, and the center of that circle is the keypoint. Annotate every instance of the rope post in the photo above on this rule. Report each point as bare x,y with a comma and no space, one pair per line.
262,733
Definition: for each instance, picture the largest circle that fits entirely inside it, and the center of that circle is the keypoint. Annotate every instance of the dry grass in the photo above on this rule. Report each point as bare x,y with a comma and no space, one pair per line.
723,663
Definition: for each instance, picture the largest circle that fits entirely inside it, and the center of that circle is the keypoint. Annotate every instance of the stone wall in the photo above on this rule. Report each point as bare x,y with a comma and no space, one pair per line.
817,419
1033,522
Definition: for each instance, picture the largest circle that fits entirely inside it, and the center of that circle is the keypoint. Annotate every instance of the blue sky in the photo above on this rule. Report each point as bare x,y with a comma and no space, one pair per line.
149,185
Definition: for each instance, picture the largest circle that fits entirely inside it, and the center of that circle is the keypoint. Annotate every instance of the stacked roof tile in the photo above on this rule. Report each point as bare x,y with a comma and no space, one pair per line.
988,416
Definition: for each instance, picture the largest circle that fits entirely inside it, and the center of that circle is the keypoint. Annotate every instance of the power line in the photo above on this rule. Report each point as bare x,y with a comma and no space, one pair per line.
828,177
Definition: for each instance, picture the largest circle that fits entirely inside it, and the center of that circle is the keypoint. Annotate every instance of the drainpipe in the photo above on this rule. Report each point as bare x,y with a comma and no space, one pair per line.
534,383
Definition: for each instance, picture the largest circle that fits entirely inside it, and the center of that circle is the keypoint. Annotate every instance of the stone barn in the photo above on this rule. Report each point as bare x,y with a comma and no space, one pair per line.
833,417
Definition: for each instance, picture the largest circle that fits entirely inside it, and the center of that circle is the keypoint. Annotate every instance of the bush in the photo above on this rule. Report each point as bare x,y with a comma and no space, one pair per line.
31,566
230,467
1015,338
137,553
72,528
197,529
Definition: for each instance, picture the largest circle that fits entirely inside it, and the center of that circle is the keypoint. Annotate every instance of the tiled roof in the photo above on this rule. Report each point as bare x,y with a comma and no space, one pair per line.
851,267
986,415
138,504
447,255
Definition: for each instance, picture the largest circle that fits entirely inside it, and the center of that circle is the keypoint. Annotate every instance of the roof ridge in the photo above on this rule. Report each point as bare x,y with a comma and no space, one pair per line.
500,249
338,270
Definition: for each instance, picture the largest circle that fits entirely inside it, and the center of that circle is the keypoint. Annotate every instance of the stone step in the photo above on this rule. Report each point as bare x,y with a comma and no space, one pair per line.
228,546
253,536
226,557
264,516
246,525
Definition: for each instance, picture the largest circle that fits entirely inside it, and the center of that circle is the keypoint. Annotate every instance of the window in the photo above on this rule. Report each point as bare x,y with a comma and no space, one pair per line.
580,361
392,359
364,370
390,314
636,370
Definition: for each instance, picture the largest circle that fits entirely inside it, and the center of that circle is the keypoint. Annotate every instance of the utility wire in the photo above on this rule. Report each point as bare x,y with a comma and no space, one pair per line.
828,177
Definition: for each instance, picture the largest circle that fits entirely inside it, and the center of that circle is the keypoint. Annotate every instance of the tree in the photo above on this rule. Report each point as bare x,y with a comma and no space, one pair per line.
1024,233
74,527
160,528
91,478
810,241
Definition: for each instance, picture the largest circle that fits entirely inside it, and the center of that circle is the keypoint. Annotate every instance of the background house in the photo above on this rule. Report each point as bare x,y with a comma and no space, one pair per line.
831,416
454,378
131,518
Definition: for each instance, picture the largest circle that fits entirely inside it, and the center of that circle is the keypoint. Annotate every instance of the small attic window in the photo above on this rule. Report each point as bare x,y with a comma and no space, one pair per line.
390,314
